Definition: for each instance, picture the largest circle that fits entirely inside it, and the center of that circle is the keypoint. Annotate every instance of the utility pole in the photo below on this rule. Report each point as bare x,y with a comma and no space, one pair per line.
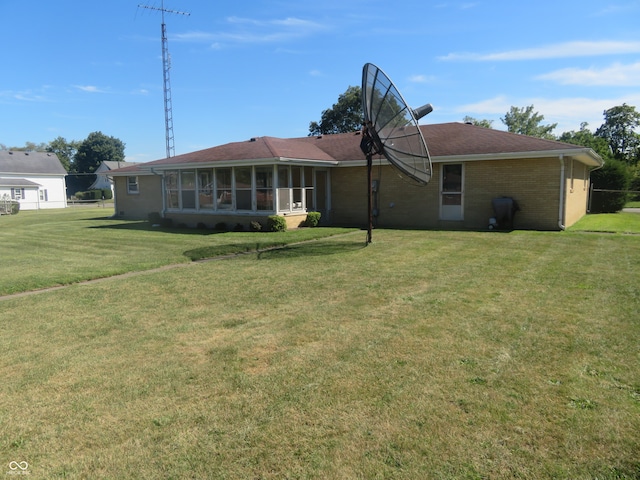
166,67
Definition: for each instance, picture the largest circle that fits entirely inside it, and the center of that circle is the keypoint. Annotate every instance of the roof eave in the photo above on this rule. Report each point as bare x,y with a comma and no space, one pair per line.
584,155
230,163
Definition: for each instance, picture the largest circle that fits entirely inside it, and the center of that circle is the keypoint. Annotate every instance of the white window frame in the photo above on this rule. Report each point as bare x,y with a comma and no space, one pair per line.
133,188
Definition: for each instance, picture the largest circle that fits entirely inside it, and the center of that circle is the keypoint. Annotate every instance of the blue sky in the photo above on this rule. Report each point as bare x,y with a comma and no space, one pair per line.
248,68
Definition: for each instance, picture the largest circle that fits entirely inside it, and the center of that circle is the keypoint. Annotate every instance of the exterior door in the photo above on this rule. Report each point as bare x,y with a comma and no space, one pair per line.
451,192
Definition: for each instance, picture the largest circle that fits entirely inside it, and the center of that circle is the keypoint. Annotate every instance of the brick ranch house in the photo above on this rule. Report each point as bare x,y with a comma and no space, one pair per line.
240,182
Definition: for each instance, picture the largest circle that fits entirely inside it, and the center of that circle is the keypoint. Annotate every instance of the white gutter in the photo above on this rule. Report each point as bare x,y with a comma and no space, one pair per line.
561,203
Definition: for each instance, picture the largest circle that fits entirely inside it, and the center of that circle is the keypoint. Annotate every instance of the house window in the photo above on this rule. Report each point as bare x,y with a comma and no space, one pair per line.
264,188
132,185
17,193
224,192
205,189
243,188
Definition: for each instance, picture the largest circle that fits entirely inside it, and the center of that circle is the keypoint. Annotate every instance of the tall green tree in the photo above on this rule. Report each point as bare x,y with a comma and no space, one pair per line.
344,116
64,150
95,149
585,138
619,130
527,122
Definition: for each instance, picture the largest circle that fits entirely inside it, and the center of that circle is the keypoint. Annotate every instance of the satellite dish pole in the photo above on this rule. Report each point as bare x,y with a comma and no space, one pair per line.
391,129
166,67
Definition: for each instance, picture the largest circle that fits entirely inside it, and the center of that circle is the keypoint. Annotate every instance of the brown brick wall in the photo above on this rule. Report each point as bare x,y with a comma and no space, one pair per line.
533,183
138,206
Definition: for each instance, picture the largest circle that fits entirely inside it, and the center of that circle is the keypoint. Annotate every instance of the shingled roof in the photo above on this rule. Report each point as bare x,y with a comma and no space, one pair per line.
446,141
30,163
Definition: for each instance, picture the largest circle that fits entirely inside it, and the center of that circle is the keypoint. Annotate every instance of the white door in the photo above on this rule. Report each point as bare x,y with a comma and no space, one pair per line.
451,192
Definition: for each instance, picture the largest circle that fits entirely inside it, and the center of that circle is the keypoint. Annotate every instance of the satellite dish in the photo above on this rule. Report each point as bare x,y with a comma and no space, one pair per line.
391,129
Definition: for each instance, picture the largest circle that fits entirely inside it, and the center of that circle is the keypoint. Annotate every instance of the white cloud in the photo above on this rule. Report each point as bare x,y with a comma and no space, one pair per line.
253,31
422,78
90,89
568,113
617,75
558,50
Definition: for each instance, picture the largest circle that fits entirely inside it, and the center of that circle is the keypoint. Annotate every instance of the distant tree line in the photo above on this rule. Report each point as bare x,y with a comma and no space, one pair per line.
79,158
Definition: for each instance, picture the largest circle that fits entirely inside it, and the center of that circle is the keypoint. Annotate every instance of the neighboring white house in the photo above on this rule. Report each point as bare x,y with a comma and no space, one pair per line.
103,179
35,179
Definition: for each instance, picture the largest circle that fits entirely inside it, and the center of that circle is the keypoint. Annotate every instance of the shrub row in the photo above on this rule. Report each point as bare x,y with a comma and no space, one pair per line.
96,194
9,207
275,223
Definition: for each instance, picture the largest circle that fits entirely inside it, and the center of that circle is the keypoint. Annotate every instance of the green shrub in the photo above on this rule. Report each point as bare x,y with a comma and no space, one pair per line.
107,193
255,226
614,175
95,194
276,223
313,218
15,207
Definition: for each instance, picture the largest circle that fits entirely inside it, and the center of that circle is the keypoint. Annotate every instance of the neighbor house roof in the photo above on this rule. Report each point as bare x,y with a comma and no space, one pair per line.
446,142
30,163
17,182
110,165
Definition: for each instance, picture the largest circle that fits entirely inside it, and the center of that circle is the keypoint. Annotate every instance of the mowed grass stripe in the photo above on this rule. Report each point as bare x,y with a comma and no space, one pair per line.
423,355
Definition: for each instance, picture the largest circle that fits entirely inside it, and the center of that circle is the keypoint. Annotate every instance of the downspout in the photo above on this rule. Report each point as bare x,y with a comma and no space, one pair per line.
561,225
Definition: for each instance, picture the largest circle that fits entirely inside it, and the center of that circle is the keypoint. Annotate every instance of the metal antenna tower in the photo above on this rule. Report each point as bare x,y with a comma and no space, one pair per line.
166,67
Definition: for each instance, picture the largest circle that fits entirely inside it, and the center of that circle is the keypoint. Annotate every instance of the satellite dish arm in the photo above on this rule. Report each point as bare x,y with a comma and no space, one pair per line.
420,112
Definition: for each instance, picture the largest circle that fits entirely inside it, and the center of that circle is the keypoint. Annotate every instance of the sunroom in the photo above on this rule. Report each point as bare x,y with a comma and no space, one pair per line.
246,190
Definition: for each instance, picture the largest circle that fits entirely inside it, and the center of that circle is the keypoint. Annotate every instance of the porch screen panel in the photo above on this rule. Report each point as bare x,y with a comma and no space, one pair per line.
296,181
264,188
308,188
284,193
171,188
188,188
205,189
243,188
224,198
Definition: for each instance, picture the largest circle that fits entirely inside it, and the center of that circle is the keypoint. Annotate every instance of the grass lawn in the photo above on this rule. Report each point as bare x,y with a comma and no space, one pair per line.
622,222
426,354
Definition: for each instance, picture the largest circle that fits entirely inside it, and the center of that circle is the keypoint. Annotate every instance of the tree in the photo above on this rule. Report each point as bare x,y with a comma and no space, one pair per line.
28,147
479,123
618,130
585,138
95,149
614,175
64,150
527,122
344,116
